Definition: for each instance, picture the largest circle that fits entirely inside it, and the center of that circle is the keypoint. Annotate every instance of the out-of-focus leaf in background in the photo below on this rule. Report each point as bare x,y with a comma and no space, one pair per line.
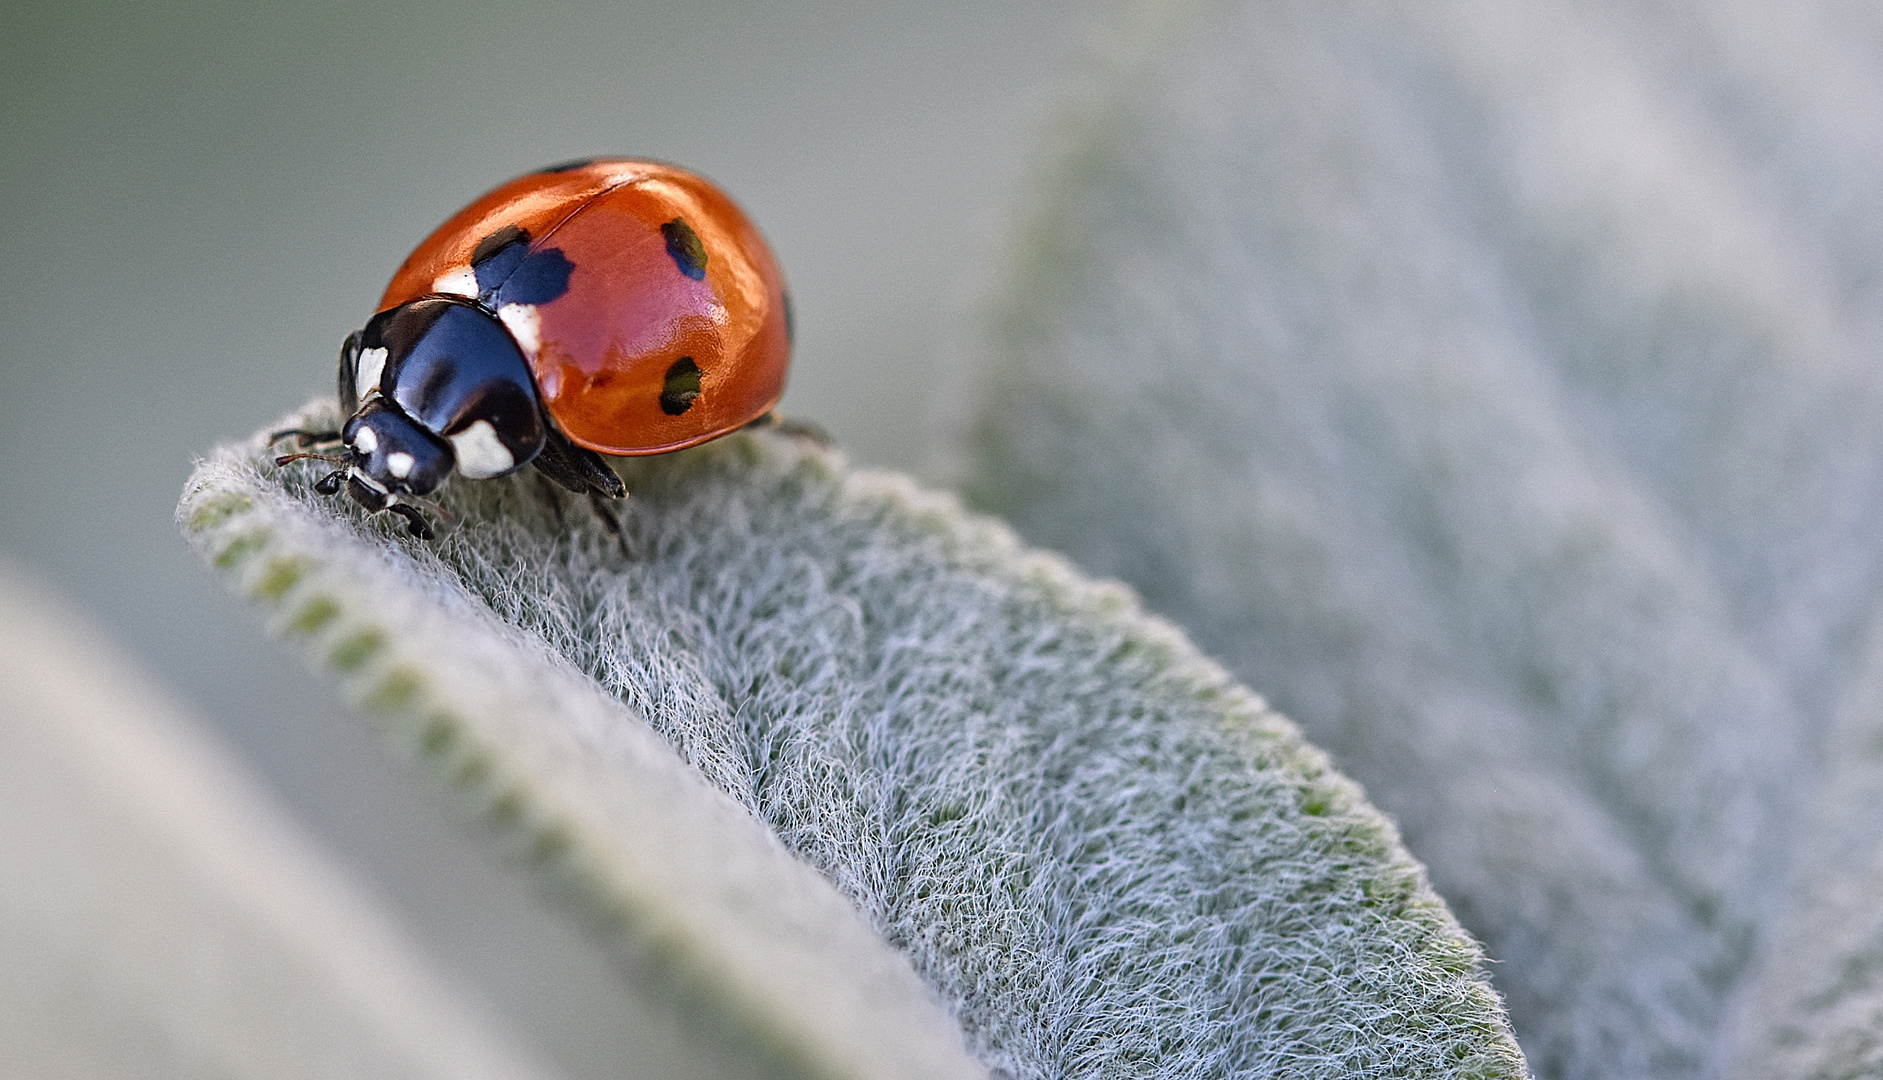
1495,386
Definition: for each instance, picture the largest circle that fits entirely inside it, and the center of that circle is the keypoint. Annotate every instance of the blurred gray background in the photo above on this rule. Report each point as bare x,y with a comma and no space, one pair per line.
202,199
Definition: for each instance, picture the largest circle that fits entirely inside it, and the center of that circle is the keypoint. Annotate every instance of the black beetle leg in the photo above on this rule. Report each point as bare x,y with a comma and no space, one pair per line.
577,468
548,489
415,522
330,484
610,522
796,429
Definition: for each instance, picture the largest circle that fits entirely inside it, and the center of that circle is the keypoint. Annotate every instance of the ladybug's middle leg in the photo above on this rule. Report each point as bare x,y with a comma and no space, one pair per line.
577,468
611,522
547,488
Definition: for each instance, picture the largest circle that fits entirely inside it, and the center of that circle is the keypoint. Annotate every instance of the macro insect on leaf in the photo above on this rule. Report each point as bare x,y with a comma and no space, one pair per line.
604,307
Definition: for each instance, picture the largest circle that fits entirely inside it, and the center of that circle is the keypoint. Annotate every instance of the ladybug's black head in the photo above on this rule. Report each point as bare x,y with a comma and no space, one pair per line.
428,386
389,462
391,455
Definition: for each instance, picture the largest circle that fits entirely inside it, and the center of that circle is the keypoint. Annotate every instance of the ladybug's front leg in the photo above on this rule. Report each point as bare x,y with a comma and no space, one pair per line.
415,522
374,498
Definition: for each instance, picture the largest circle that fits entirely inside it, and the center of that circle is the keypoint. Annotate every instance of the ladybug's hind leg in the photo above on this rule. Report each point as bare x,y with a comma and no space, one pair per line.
796,429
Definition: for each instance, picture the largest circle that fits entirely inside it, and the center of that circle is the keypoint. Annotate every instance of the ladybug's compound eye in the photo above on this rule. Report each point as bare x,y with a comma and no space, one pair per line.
393,454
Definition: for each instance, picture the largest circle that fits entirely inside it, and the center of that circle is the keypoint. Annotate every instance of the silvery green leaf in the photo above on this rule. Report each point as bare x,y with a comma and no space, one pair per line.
867,786
1495,387
160,915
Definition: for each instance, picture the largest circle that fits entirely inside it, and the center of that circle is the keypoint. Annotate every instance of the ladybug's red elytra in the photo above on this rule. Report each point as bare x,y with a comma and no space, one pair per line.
602,307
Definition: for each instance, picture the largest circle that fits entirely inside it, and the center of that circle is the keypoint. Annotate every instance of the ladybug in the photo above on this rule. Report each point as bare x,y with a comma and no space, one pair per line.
607,307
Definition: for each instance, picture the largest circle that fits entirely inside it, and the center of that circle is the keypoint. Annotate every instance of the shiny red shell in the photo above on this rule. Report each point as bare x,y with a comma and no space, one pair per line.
603,350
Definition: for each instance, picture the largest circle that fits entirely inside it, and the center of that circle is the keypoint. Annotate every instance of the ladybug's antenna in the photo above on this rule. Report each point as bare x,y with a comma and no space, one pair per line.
329,458
303,437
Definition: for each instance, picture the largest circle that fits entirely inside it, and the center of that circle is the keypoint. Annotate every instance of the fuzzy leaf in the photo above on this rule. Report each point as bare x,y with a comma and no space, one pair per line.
819,713
160,916
1495,386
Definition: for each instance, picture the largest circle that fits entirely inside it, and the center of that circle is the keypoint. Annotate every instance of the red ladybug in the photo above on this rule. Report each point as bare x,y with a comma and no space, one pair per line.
611,306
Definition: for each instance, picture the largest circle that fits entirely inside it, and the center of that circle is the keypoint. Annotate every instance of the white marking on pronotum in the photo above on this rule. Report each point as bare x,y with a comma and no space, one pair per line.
481,455
399,463
459,282
366,440
525,325
366,372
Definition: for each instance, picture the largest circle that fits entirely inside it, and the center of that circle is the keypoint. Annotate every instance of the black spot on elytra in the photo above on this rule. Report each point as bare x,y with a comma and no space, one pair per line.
497,241
508,272
566,166
682,388
541,278
496,257
685,247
